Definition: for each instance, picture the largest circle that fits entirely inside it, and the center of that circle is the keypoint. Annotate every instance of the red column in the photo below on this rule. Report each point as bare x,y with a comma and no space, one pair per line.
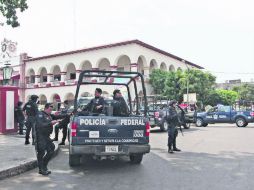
8,101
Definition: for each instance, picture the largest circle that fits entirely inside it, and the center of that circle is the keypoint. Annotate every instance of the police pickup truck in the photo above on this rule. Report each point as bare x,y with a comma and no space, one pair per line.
106,136
224,114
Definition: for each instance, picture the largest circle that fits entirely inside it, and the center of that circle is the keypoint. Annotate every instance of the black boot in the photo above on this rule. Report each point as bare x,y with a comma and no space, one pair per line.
170,150
43,172
174,146
42,169
27,142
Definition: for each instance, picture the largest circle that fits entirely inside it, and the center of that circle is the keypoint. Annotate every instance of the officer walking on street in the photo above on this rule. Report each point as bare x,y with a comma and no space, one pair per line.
172,119
44,127
31,110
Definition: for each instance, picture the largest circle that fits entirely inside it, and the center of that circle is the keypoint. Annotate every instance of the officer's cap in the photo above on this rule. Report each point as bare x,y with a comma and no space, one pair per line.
172,102
34,97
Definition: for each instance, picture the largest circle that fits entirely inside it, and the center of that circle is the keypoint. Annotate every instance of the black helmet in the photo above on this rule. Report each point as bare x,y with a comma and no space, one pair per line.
34,97
172,102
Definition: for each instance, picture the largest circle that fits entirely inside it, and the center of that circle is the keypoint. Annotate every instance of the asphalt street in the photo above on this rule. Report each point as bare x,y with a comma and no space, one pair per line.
217,157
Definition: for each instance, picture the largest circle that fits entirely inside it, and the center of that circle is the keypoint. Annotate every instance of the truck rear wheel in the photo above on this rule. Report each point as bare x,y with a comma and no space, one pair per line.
199,122
241,122
136,158
74,160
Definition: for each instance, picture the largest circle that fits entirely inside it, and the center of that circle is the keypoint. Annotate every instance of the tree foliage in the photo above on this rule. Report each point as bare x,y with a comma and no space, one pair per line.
157,80
9,9
245,91
174,84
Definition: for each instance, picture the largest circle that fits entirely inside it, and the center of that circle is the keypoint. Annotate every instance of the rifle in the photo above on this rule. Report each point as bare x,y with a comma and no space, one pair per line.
181,121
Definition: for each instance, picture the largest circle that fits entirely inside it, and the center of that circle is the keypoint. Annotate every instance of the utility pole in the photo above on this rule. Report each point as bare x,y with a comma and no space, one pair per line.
187,82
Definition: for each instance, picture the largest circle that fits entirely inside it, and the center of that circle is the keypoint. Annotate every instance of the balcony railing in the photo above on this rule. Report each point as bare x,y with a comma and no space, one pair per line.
70,82
30,85
55,83
42,84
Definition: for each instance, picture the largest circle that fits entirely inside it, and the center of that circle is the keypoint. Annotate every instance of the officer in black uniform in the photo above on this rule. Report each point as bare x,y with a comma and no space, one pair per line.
44,127
96,105
173,121
31,110
19,117
63,124
120,107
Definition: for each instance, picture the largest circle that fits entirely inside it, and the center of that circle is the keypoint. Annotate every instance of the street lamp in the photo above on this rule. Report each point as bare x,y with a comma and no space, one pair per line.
187,82
7,73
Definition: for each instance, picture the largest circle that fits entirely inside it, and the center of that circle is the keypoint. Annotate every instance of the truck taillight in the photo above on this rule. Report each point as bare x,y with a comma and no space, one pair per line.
156,114
147,129
74,129
252,114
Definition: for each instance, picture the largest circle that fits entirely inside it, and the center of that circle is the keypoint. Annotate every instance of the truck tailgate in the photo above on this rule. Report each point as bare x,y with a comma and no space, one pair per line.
110,130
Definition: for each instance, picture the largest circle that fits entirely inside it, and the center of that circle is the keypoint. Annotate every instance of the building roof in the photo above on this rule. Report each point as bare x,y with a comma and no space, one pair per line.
138,42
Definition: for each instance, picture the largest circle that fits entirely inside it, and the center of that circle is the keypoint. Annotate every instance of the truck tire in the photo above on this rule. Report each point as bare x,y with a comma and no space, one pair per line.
199,122
164,126
241,122
205,124
186,125
136,158
74,160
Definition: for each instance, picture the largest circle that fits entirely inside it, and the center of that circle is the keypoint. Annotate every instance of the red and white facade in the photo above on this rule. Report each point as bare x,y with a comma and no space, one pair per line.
54,77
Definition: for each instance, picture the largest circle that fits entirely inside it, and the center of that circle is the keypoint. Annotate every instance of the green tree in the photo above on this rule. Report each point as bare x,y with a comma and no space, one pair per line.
227,97
9,9
174,85
201,83
157,80
245,91
213,98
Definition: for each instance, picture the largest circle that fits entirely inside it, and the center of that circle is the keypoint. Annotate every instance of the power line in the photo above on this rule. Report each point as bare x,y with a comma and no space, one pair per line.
222,72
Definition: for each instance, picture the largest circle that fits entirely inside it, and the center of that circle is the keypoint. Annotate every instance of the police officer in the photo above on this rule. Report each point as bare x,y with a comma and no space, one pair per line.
31,110
44,127
96,105
120,107
63,124
172,119
19,117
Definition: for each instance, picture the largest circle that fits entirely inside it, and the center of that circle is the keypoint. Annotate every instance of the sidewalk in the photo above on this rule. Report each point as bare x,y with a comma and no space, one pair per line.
15,156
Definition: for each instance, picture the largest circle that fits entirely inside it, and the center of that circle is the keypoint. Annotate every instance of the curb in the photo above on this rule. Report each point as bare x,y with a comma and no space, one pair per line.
26,166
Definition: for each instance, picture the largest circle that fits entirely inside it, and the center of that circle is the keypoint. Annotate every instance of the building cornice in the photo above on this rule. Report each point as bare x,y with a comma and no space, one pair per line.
138,42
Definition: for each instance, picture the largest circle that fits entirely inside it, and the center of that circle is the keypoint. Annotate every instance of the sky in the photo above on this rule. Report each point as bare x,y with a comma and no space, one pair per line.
215,34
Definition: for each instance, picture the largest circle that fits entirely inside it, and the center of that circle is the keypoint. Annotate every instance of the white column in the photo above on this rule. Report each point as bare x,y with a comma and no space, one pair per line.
63,77
134,67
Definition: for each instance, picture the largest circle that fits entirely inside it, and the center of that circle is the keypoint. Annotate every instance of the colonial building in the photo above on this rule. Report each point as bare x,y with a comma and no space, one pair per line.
53,77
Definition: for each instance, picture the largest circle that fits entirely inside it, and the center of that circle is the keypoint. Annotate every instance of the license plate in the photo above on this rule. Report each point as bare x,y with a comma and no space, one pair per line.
111,148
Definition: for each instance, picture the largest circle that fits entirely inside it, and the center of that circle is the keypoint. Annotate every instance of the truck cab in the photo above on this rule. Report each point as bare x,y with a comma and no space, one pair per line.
105,135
